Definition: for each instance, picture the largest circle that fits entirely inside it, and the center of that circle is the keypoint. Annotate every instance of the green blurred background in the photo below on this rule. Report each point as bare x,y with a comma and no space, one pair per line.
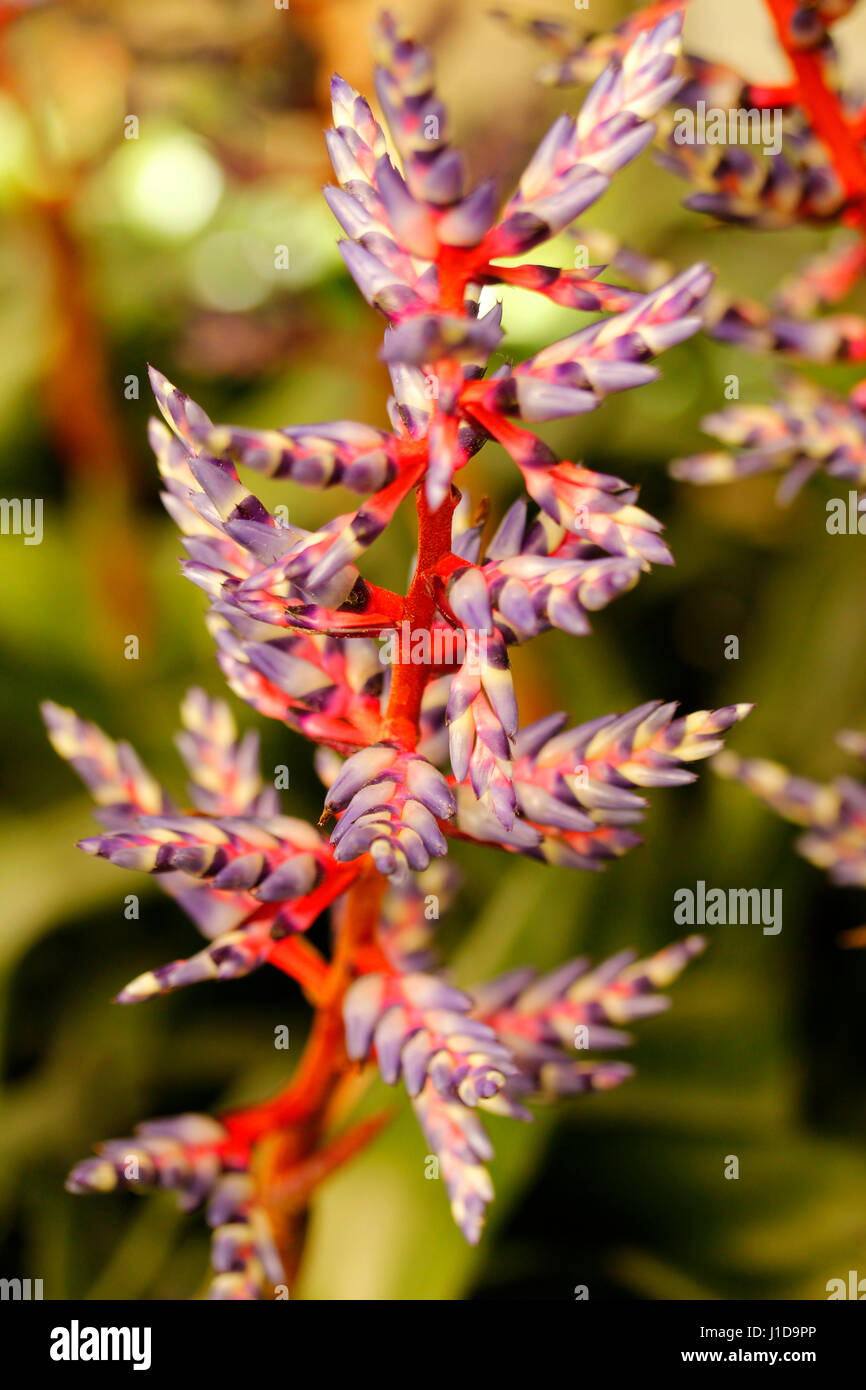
115,252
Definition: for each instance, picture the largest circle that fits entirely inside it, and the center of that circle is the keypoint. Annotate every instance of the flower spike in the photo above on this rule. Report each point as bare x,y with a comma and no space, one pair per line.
409,697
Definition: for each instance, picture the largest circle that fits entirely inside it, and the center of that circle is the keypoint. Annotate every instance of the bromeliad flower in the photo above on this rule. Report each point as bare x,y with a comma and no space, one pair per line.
421,1030
832,815
418,741
421,247
577,789
492,1048
245,874
196,1157
544,1020
765,157
540,576
807,432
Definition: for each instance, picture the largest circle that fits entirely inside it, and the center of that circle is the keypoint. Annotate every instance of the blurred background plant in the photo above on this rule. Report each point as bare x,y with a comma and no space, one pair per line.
115,251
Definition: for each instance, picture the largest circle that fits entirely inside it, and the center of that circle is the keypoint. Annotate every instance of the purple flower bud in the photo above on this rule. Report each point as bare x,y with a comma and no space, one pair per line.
357,771
427,337
466,223
293,879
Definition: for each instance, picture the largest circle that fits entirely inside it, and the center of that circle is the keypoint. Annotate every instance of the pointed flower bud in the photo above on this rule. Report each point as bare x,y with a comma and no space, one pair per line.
549,1021
573,165
831,814
579,789
456,1136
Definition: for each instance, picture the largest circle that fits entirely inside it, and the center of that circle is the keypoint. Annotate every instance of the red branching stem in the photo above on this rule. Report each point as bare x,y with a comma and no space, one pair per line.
295,1189
824,109
371,959
517,441
456,268
408,678
287,1129
767,96
324,1056
299,959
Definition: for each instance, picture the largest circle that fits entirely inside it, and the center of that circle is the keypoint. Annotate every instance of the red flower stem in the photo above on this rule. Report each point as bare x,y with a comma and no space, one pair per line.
295,1189
288,1128
296,957
305,910
324,1056
766,96
824,109
517,441
290,1125
408,678
293,1120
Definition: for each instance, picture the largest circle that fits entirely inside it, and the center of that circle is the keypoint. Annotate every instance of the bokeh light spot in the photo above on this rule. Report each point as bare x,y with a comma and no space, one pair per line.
171,186
227,273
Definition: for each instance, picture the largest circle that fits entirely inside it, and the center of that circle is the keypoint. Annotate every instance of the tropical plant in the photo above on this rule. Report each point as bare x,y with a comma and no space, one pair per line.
408,697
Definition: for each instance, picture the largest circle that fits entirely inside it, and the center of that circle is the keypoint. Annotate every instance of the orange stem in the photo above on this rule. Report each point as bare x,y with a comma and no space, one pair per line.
823,107
408,678
290,1125
295,1189
324,1057
296,957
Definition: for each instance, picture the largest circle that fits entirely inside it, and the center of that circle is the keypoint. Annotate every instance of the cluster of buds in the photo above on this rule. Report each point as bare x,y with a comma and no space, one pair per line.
807,432
507,1041
832,815
813,173
769,187
196,1157
413,755
389,803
